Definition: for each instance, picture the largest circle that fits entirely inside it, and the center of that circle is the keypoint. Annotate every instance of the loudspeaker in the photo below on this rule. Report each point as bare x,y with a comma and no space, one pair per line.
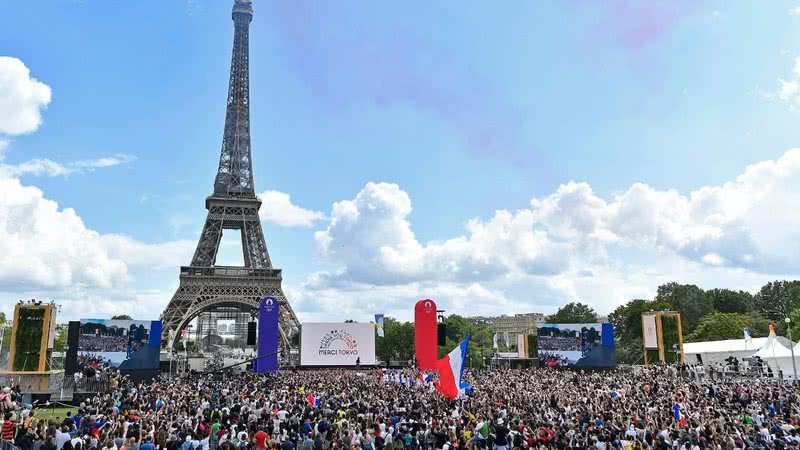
251,333
441,333
73,339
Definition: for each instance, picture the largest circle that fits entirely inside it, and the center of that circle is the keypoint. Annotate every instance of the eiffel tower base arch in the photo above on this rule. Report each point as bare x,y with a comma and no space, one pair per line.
204,289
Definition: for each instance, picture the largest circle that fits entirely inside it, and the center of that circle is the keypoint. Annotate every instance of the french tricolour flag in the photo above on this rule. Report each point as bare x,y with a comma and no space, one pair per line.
676,411
450,369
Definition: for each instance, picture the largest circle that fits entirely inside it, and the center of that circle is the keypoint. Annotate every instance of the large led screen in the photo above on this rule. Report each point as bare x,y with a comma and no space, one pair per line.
124,344
337,344
577,345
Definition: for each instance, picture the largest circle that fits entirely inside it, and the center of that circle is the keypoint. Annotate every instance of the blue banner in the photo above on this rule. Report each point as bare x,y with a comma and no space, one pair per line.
155,333
379,324
267,335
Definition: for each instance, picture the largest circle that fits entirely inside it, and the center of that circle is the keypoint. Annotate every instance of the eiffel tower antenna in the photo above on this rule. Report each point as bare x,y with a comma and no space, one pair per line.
205,286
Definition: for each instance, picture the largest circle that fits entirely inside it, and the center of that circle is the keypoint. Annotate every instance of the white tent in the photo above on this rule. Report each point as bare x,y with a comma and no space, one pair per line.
774,349
711,352
778,357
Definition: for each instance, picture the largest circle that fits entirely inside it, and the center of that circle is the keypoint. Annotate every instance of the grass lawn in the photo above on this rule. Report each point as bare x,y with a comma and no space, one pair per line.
55,412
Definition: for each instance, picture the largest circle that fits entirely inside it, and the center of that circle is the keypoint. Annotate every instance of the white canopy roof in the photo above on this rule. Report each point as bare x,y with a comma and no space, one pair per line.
773,349
726,346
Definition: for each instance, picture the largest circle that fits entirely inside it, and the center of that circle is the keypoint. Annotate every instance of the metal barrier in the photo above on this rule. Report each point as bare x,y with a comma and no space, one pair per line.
85,385
59,386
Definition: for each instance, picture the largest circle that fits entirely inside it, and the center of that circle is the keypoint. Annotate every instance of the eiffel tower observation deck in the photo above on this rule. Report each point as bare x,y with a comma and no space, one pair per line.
233,206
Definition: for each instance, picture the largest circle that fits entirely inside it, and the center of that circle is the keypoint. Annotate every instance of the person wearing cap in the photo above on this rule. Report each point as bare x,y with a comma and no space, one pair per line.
500,435
308,442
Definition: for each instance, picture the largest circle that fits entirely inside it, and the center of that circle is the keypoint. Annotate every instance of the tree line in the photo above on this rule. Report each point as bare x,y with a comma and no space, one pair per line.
398,341
706,315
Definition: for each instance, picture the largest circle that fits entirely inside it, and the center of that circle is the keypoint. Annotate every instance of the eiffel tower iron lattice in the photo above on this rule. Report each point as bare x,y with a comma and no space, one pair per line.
204,286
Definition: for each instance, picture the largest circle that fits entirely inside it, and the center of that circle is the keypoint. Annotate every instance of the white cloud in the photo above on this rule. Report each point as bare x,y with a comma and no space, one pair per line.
47,251
743,223
277,208
82,302
44,245
21,98
571,244
137,254
789,91
795,11
371,236
100,163
44,166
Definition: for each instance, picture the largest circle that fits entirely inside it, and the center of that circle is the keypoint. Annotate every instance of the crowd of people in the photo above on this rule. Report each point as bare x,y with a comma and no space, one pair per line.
552,359
94,372
103,343
560,343
531,409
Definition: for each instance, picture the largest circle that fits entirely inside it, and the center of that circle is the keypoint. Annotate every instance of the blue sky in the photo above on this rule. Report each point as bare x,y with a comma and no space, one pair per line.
461,109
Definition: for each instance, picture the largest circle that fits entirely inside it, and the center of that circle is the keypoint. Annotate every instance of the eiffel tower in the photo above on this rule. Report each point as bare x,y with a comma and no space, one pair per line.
205,286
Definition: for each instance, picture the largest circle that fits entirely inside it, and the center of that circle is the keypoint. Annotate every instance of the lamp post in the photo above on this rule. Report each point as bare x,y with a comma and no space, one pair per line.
789,331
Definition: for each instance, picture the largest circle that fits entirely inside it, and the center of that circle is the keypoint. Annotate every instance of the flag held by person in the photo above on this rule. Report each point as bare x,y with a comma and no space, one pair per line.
312,400
451,369
676,412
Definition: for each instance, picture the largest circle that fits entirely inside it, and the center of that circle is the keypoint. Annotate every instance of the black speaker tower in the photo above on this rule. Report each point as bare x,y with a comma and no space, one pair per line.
251,333
73,339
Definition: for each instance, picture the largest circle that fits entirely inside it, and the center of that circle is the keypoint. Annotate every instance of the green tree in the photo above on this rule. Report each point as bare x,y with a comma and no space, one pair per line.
574,312
5,345
121,317
627,321
729,301
480,346
397,343
795,317
777,299
758,324
718,326
627,318
687,299
60,341
457,327
533,345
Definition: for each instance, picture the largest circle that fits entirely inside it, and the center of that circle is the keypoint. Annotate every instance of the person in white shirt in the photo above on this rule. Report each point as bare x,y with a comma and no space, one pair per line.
62,436
631,433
